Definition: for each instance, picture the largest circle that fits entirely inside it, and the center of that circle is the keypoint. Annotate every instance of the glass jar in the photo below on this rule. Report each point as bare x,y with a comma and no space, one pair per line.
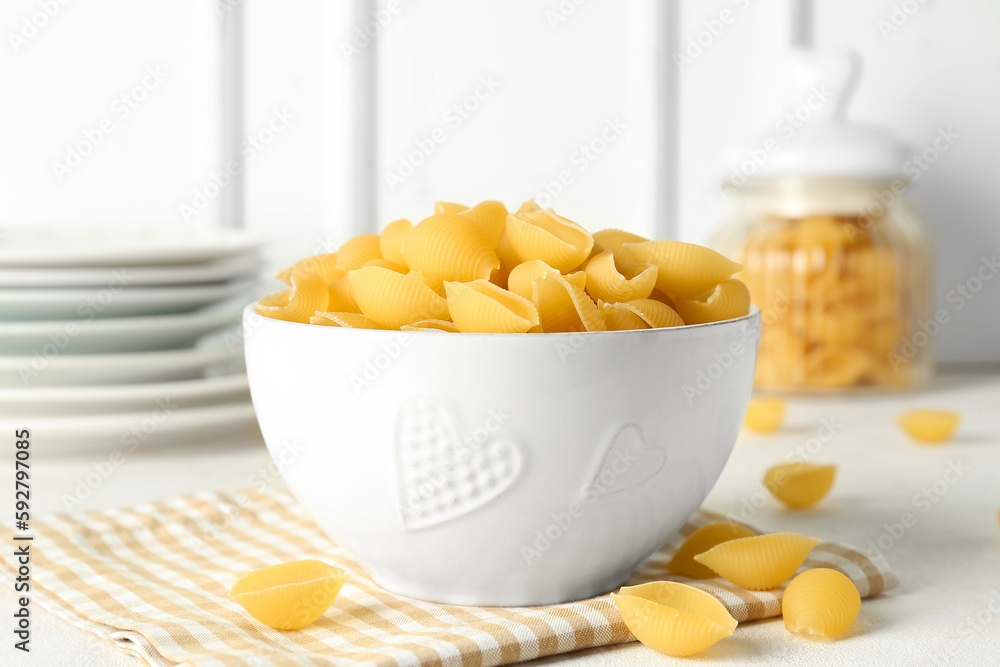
840,268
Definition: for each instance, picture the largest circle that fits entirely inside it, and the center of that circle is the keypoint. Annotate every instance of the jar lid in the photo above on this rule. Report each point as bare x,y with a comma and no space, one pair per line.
813,137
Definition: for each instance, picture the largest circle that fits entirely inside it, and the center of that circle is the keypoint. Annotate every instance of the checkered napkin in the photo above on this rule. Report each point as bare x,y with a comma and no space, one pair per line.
154,580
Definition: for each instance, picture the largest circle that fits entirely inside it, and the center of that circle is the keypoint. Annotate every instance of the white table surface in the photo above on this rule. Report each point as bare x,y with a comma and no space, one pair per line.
947,611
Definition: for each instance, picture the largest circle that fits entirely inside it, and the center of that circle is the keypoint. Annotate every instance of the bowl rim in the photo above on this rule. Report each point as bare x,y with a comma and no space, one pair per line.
753,314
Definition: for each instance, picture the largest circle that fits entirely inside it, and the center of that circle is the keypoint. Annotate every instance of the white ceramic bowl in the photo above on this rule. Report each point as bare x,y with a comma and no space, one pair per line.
500,469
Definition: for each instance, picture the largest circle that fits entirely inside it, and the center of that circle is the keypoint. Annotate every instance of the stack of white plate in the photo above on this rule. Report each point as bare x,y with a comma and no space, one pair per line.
124,338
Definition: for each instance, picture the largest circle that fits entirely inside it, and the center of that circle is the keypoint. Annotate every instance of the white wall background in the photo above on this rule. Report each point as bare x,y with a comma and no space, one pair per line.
328,126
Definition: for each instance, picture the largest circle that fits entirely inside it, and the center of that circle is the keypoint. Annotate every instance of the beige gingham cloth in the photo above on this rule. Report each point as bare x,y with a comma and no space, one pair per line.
154,580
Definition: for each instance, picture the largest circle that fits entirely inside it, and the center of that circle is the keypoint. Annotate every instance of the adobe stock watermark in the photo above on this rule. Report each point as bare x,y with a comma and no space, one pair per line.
377,364
31,25
121,109
363,35
900,15
454,117
223,8
922,503
219,179
102,470
694,46
562,12
585,154
973,625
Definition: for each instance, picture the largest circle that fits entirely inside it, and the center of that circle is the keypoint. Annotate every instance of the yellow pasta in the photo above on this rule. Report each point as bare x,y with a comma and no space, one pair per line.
433,282
765,415
390,241
821,602
544,235
654,314
491,217
672,618
308,294
355,252
683,269
325,266
929,425
346,320
431,325
480,306
392,299
759,563
291,595
836,366
448,207
699,542
340,298
528,207
385,264
613,239
524,274
450,247
617,317
800,485
562,306
731,299
612,281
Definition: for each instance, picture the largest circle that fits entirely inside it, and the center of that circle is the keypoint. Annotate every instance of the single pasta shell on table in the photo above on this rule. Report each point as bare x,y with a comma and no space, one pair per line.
340,297
613,239
562,306
325,266
524,274
544,235
450,247
345,320
699,542
308,294
729,300
289,596
355,252
431,325
491,217
821,602
613,281
654,314
390,241
684,270
672,618
480,306
759,563
449,207
800,485
929,425
765,415
392,299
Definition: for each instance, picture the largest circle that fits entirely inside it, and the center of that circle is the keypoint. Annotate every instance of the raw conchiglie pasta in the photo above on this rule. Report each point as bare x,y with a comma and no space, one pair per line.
612,281
759,563
821,602
683,269
433,282
308,294
929,425
612,239
563,306
354,253
346,320
340,297
480,306
385,264
491,217
672,618
729,300
544,235
619,318
392,299
836,366
699,542
655,314
524,274
325,266
800,485
431,325
528,207
765,415
450,247
448,207
390,241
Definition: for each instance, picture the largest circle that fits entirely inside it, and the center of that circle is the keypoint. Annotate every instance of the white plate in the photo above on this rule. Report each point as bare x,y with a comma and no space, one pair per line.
67,246
130,432
88,400
64,370
45,303
114,334
101,276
